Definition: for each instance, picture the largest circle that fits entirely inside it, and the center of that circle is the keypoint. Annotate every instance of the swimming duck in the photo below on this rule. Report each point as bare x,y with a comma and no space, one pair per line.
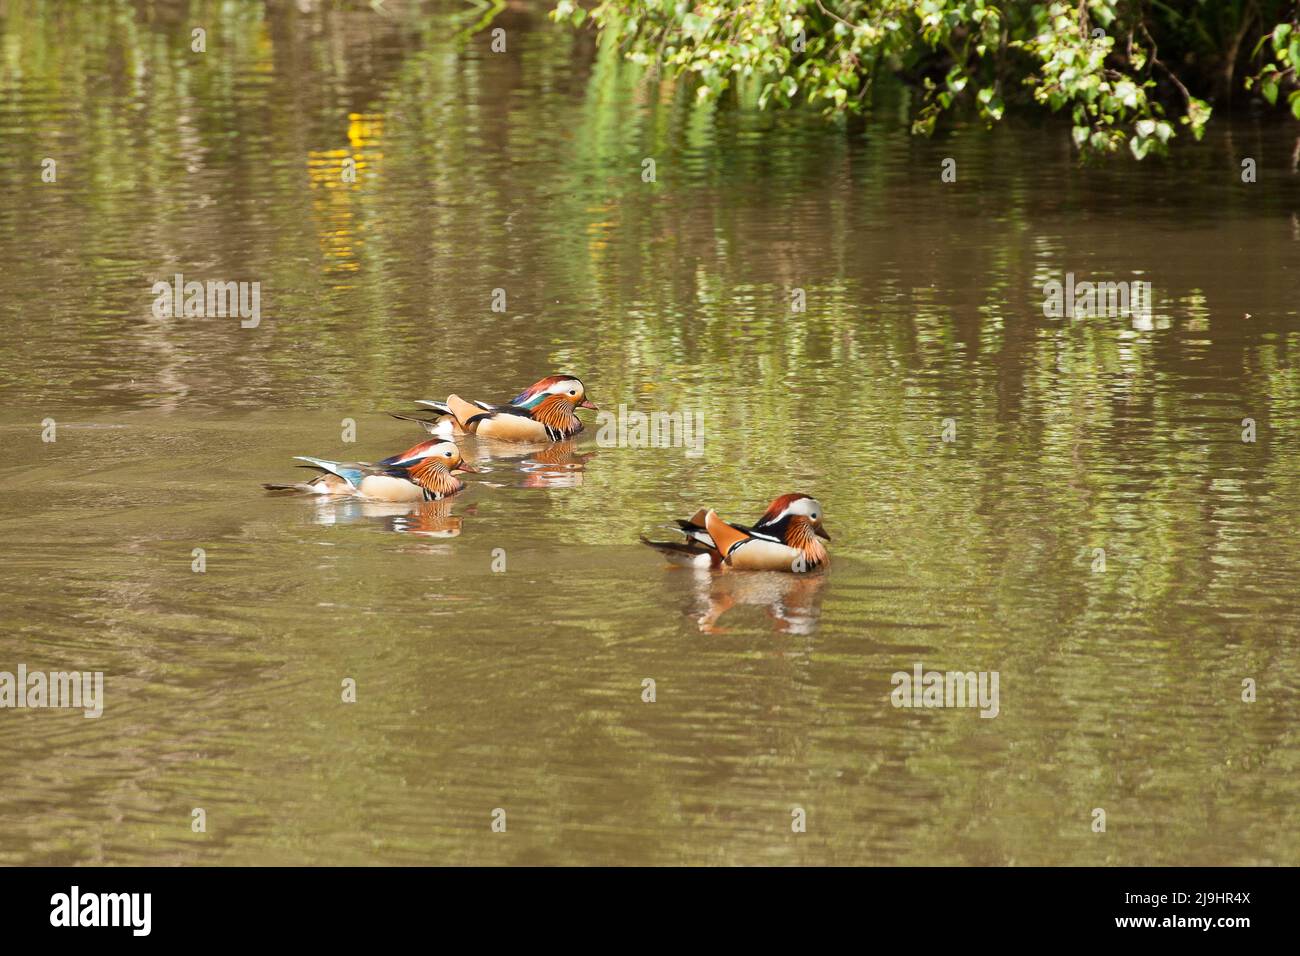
784,538
424,472
541,412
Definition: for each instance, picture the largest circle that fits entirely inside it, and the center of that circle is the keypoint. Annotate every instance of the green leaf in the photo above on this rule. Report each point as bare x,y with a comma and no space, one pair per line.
1280,33
695,26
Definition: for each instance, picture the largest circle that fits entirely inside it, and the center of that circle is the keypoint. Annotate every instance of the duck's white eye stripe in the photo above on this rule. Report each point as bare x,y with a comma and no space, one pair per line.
803,506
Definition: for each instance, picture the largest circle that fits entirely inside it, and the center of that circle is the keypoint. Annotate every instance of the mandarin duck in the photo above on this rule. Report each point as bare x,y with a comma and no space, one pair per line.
424,472
783,539
542,412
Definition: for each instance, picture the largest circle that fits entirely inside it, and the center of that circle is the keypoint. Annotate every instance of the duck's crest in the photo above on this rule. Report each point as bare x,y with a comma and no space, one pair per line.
774,510
415,451
532,391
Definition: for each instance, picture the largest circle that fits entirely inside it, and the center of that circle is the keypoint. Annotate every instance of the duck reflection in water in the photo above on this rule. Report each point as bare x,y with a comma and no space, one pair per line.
433,519
541,464
793,602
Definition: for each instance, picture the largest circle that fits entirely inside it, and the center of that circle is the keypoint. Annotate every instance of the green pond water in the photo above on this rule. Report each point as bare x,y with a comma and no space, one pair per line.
522,689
